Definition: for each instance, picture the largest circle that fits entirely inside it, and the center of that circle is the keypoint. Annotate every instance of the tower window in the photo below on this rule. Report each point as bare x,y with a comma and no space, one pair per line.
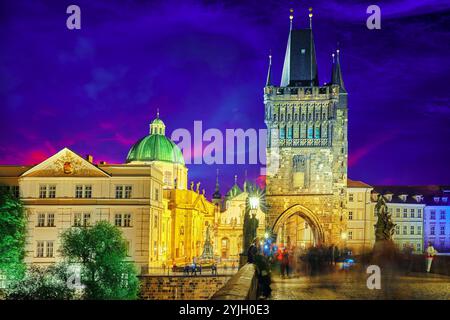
282,133
289,133
317,133
310,133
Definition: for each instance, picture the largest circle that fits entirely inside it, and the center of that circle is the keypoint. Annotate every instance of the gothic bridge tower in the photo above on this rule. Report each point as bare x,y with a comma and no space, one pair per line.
306,147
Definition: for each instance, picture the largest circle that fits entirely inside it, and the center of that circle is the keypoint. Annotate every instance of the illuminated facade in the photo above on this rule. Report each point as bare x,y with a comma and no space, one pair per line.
306,143
147,198
229,224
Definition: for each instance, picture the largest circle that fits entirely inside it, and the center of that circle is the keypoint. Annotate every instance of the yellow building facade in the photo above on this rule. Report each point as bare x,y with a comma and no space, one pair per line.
162,221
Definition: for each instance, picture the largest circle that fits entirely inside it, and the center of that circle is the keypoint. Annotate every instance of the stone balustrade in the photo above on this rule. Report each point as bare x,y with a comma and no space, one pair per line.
242,286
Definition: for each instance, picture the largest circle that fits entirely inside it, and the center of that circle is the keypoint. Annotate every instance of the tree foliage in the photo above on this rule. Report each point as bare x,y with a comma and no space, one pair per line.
12,237
42,283
101,252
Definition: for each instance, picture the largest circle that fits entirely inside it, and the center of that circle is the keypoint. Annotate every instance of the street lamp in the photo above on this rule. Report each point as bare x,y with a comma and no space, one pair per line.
254,203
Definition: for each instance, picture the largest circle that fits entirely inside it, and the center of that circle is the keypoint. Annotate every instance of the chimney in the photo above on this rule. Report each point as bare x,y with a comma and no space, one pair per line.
102,162
90,158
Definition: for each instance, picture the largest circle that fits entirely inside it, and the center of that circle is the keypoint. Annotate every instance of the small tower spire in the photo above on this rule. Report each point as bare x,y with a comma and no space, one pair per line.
235,179
310,17
216,195
336,74
291,17
269,71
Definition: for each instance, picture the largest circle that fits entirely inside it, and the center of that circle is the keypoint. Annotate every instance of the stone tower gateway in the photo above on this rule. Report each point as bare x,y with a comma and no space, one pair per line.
306,144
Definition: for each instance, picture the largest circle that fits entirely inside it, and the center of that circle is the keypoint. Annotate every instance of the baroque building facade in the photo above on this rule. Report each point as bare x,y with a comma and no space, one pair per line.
307,143
162,220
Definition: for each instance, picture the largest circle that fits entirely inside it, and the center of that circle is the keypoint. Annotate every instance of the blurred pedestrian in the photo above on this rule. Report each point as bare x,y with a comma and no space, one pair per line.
430,253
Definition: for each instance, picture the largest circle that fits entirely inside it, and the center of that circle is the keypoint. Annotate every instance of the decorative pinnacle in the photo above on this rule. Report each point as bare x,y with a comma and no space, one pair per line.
310,17
157,113
235,179
291,16
332,56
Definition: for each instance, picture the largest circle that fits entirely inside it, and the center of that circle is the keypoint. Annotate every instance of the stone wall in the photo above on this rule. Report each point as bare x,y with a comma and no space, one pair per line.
242,286
181,287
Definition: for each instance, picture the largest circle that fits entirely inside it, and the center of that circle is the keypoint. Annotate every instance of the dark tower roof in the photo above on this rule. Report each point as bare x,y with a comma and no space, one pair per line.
300,63
336,74
217,195
269,72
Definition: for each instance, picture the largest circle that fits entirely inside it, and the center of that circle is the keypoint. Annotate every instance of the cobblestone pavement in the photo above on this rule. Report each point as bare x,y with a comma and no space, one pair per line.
346,285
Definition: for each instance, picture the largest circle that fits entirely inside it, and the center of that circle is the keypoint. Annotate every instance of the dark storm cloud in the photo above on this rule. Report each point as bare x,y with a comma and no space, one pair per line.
95,90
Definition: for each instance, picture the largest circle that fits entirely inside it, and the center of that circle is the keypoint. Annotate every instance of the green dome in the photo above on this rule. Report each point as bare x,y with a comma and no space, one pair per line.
155,147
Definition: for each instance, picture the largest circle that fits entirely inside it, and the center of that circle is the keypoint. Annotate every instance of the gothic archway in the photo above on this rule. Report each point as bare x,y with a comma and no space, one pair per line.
310,218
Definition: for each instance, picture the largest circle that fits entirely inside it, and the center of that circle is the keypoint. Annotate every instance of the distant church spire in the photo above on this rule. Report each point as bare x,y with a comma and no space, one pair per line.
216,194
300,63
310,18
336,74
269,72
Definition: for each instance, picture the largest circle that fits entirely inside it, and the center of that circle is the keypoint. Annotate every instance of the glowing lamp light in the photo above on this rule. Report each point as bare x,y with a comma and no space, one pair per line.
266,235
344,236
254,202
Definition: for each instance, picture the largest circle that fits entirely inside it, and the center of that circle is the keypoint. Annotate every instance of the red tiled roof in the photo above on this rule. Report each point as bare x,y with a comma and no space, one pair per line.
357,184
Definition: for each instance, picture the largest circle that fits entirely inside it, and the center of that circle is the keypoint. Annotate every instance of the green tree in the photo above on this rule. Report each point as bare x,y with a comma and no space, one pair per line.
101,252
42,283
12,237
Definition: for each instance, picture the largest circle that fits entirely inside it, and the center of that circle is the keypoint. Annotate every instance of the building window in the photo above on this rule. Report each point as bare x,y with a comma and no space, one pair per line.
119,192
155,224
310,133
86,219
442,215
350,235
77,220
433,215
49,251
128,248
442,243
397,212
289,133
442,230
432,230
350,197
127,220
50,220
397,229
157,194
78,191
419,247
52,191
41,220
40,249
405,213
42,191
412,213
411,230
419,230
155,248
88,191
317,132
405,230
350,215
282,133
118,220
419,213
128,190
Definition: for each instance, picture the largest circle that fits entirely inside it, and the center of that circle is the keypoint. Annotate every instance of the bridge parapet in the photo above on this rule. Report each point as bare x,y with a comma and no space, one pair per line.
242,286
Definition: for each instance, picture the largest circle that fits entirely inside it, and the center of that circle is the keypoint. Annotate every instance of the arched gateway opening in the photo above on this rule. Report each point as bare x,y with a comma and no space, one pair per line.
299,227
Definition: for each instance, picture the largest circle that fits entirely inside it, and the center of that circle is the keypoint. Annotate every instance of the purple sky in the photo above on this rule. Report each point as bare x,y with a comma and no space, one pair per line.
95,90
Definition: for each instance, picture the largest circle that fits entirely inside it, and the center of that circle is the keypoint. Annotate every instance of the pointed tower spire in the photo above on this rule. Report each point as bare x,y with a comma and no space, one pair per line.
157,113
269,72
216,194
336,75
310,18
300,63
